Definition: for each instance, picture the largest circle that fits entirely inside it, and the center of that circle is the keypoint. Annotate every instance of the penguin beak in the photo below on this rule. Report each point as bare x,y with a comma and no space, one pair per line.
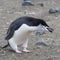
50,29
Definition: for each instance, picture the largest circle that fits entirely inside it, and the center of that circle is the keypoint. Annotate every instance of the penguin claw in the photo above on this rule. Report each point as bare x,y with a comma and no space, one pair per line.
26,51
18,51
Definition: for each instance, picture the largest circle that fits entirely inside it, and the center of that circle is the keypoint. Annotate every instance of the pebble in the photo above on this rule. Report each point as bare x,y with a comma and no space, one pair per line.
37,54
39,33
27,3
41,43
40,4
54,10
2,52
29,12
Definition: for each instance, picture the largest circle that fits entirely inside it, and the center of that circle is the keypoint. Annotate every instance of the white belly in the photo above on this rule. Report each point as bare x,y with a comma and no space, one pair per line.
21,38
22,34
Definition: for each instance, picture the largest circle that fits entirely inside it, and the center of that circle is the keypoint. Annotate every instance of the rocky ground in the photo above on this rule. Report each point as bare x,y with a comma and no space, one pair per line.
11,10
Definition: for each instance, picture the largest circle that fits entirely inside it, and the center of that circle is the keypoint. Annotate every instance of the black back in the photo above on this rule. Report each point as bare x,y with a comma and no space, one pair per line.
23,20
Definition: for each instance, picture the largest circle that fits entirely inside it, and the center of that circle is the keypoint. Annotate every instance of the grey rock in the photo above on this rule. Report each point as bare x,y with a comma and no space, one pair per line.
41,43
40,33
40,4
27,0
27,3
54,10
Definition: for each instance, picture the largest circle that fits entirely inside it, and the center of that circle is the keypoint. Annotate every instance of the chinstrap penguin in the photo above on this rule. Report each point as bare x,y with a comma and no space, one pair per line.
20,29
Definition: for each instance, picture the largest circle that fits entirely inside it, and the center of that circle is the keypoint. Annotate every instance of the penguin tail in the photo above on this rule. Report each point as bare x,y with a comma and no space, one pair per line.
6,46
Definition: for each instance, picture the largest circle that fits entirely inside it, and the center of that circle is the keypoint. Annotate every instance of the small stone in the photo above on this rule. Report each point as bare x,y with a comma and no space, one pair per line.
40,4
36,54
2,52
41,43
40,33
29,12
27,3
54,10
7,23
50,59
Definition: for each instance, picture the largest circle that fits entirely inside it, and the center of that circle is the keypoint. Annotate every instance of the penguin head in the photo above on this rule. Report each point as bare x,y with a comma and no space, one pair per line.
45,26
50,29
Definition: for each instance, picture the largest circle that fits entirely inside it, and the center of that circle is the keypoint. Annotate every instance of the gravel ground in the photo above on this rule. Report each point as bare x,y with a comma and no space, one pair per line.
11,10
